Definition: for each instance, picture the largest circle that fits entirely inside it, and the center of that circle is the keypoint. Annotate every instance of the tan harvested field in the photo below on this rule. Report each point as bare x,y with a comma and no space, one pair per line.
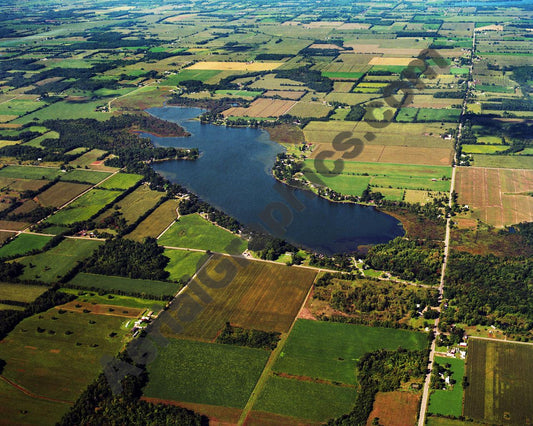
497,197
180,17
325,46
492,27
354,26
428,101
235,66
12,225
248,294
262,108
351,98
310,109
374,48
419,196
343,86
396,61
285,94
61,193
322,24
393,154
424,135
395,408
157,222
269,82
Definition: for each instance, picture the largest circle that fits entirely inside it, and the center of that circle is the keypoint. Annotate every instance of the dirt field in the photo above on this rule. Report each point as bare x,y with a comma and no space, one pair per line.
60,193
235,66
239,289
393,154
262,108
395,408
101,309
497,197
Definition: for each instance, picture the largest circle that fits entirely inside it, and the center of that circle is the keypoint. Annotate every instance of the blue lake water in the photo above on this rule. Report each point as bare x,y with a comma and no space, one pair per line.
233,174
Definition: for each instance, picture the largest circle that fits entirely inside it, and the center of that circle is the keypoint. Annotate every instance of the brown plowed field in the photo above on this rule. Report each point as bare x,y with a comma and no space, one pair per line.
497,197
262,108
395,408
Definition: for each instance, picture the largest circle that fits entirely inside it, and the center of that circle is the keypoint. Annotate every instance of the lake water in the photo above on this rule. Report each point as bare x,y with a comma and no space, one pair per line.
233,174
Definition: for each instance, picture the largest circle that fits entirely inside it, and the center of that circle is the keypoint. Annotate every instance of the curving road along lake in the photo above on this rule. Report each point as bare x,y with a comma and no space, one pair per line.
233,174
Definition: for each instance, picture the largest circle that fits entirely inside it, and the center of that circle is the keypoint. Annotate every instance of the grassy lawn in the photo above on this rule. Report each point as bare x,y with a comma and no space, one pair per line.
121,181
329,351
112,284
84,207
449,402
183,264
193,231
56,262
305,400
23,244
206,373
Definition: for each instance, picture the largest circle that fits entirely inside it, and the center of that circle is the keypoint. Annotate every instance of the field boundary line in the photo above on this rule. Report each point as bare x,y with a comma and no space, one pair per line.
31,394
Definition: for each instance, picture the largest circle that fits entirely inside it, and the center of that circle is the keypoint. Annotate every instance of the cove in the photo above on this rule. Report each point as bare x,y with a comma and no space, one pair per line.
233,174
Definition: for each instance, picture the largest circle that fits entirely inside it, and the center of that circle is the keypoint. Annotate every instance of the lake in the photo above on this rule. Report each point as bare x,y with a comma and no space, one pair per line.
233,174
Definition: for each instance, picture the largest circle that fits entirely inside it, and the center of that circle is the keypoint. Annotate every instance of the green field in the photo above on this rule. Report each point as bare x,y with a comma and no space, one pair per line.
66,110
113,284
23,244
459,71
443,114
84,207
121,181
193,231
56,262
500,382
239,93
449,402
115,299
183,264
343,75
20,292
305,400
482,149
329,351
503,161
201,75
57,355
356,176
206,373
494,89
406,115
85,176
29,172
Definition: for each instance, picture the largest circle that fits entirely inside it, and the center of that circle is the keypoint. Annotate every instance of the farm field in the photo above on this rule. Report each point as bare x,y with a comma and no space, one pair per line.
55,263
262,108
279,289
235,66
120,181
29,172
183,264
84,207
23,244
61,193
134,205
395,408
117,284
88,297
449,402
88,158
355,177
207,373
482,149
497,197
85,176
156,222
503,161
305,399
193,231
20,292
37,350
501,382
329,351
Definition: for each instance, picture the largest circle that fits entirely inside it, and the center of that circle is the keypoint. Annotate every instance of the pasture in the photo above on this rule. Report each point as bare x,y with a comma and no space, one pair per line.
112,284
156,222
206,373
305,400
449,402
134,205
500,382
193,231
237,287
329,351
53,264
84,207
184,264
121,181
503,161
22,244
61,193
20,292
29,172
497,197
235,66
39,349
